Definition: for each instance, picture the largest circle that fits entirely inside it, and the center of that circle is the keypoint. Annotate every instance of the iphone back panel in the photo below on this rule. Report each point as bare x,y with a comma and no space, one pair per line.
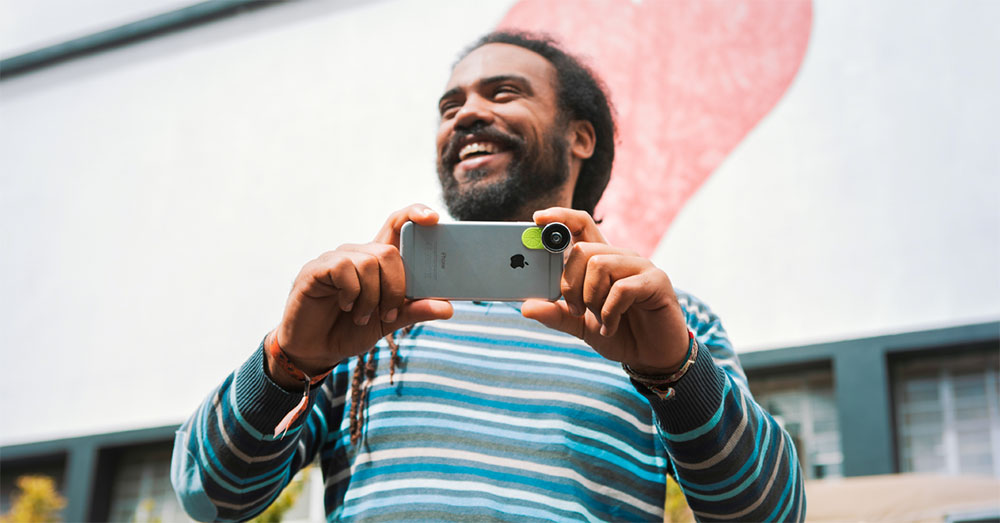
477,261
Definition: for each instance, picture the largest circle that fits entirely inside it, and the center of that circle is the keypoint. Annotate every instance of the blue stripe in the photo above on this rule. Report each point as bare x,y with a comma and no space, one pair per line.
537,482
210,461
792,478
753,458
408,504
572,411
518,436
540,369
214,459
742,486
515,342
709,425
224,485
256,434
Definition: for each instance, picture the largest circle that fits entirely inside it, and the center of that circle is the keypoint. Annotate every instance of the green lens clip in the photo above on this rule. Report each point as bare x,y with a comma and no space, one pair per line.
532,238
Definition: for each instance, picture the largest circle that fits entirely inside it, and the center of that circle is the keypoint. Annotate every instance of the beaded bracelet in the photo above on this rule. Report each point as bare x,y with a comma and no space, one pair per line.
279,357
662,385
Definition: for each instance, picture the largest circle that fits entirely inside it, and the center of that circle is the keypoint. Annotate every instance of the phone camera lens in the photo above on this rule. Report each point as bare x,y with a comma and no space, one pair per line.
555,237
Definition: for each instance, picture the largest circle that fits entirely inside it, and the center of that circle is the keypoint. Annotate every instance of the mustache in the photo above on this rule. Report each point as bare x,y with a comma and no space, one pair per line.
482,132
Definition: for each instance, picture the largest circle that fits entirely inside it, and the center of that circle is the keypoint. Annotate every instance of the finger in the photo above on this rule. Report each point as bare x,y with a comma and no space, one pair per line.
556,315
392,277
597,281
420,310
623,294
575,271
369,275
417,213
332,273
581,224
605,270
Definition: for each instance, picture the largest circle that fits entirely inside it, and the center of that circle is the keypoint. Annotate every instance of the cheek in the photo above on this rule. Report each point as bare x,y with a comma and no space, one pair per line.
534,129
444,131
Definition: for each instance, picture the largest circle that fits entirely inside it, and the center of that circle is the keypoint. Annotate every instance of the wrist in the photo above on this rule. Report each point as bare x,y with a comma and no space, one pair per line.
279,376
662,385
288,373
675,357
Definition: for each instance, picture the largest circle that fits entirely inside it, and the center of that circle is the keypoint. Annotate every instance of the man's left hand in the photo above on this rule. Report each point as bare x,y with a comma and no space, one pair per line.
616,301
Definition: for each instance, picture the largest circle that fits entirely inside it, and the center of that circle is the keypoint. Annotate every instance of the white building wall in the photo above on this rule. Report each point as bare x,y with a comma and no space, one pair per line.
158,199
868,201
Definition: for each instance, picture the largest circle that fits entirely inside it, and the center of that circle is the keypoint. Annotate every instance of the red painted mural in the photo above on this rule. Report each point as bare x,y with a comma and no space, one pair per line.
689,79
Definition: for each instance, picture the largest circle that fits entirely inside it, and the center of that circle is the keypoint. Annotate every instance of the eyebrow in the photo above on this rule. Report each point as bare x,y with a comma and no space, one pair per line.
522,81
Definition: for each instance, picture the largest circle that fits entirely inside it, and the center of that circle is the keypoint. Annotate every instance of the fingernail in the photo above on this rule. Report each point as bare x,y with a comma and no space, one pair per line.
604,330
427,212
364,319
348,307
391,315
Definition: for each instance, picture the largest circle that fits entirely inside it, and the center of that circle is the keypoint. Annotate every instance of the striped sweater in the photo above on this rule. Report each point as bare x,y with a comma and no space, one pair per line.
493,416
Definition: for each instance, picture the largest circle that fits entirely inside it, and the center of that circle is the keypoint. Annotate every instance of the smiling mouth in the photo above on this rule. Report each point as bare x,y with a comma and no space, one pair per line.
478,149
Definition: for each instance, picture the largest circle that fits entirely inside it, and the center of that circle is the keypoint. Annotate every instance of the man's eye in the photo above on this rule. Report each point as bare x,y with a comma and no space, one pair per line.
448,109
505,91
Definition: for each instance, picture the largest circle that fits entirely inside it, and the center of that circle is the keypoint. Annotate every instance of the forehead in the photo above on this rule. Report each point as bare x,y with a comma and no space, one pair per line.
494,60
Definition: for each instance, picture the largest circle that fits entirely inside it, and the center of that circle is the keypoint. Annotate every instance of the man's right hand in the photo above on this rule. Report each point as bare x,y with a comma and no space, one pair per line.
343,302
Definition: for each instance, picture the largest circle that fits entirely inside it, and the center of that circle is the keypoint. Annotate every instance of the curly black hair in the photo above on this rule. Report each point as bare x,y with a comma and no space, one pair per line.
582,96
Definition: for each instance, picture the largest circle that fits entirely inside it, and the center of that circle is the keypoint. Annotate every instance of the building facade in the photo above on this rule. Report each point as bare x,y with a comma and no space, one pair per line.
919,402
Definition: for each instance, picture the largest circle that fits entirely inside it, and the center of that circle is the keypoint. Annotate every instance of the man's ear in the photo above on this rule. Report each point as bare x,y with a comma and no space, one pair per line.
582,139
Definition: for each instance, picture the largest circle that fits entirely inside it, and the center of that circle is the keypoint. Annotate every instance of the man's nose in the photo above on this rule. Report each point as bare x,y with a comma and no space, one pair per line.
475,111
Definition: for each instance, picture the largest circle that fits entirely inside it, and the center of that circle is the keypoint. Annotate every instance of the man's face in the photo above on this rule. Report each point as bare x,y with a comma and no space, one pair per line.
501,143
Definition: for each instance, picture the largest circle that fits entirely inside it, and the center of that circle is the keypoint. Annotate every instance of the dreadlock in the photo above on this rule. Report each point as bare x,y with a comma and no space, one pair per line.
361,381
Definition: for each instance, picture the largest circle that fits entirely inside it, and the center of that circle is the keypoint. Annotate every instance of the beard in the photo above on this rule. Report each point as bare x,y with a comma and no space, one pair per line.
532,179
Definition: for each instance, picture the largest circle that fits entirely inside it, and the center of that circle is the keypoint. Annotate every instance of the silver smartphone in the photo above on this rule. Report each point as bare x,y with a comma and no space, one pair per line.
501,261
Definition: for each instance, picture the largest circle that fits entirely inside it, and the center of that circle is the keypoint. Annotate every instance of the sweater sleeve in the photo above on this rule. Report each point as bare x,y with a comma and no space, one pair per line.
227,465
729,456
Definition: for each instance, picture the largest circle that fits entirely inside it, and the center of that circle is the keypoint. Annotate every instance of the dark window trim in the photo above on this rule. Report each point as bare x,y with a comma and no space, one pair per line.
144,29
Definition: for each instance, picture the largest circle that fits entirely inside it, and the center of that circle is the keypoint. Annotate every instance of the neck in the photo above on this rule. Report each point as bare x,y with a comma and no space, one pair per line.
524,214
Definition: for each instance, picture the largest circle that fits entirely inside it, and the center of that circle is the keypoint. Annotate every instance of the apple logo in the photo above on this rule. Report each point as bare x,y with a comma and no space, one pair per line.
517,261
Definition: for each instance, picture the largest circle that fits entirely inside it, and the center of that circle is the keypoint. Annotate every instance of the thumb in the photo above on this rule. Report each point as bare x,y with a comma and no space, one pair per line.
420,310
554,315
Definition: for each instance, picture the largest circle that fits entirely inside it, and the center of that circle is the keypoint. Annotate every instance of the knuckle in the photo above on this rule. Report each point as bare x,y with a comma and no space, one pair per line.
634,284
596,264
579,249
384,250
351,289
367,265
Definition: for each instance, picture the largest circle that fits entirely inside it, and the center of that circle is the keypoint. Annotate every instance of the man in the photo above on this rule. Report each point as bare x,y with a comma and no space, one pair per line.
567,410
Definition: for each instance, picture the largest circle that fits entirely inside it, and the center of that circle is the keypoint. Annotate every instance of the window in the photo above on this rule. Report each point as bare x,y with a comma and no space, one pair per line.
51,466
947,414
141,489
803,403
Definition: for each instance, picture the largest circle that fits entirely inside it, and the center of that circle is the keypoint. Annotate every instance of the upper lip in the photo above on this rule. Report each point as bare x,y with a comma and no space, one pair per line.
474,146
488,138
460,145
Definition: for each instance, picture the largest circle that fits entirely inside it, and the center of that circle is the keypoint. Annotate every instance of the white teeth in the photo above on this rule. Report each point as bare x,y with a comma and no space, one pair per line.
477,147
